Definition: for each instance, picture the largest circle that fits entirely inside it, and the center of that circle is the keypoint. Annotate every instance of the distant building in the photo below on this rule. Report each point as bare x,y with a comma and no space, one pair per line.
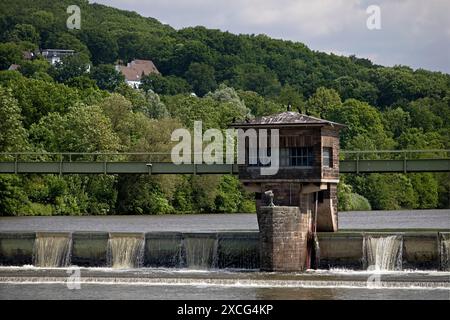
14,67
135,70
28,55
55,55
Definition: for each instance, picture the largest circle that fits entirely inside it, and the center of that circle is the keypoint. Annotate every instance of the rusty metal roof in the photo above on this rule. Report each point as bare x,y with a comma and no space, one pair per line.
288,118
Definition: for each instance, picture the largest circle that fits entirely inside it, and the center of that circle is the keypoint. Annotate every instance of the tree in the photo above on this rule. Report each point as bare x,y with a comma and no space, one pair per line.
229,95
82,129
323,102
201,77
82,82
34,67
13,136
38,98
349,87
70,67
170,85
101,44
154,108
23,32
258,105
289,96
361,119
107,77
9,53
256,78
396,121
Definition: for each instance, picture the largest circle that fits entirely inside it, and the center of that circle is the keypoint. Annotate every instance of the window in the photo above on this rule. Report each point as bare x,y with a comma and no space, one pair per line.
327,159
320,196
297,157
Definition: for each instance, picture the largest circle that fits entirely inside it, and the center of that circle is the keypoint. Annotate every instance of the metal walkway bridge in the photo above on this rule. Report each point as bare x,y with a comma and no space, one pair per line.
383,161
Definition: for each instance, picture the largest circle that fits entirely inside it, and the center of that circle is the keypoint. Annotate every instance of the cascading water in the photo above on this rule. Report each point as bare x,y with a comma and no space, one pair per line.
445,253
201,253
52,250
383,253
126,250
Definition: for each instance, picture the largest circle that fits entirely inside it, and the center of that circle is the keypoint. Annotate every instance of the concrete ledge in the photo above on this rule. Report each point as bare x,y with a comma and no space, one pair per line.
89,248
238,250
421,250
341,250
16,248
163,249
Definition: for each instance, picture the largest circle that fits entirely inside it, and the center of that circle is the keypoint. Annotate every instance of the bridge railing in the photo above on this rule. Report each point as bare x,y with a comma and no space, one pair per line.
394,154
154,157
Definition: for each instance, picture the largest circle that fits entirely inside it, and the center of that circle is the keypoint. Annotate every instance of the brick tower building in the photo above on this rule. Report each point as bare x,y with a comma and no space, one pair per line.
304,188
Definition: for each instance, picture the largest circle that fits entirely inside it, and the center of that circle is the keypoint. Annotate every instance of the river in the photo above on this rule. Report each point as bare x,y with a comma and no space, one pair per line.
405,219
29,282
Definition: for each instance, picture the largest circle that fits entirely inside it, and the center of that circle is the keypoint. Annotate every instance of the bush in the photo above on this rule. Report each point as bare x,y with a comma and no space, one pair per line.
36,209
358,203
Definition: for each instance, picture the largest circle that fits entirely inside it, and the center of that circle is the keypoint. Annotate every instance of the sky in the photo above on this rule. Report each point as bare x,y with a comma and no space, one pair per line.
415,33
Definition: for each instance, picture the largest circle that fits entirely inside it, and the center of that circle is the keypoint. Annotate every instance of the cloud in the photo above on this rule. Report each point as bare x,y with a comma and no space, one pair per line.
413,32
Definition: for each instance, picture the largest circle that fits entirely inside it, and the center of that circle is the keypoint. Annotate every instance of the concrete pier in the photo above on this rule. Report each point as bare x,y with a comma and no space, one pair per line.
283,238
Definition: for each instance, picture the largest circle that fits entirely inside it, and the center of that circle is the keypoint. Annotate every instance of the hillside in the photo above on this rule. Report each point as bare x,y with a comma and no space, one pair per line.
66,107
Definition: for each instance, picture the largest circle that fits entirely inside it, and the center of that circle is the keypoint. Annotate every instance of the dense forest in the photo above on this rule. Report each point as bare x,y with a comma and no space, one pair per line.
71,107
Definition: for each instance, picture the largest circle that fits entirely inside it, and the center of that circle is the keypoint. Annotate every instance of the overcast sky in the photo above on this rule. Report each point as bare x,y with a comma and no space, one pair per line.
413,32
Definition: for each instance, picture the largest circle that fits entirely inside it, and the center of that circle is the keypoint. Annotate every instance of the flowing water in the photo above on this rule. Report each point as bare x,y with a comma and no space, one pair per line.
383,253
200,280
150,283
445,254
201,253
52,250
126,251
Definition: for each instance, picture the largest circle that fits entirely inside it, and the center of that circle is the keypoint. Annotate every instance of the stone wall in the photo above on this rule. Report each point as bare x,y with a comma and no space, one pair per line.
283,238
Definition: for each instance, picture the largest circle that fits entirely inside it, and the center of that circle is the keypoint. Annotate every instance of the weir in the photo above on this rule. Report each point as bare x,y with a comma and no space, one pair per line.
125,250
427,250
52,250
444,252
201,252
383,253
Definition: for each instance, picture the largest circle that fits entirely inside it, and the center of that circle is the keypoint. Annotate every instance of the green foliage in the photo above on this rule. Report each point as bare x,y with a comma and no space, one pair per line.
258,105
23,32
107,77
67,108
34,67
350,201
10,53
323,102
70,67
170,85
12,195
13,136
201,77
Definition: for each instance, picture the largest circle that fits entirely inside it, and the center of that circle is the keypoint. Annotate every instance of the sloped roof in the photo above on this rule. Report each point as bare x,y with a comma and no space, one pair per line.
14,67
136,68
288,118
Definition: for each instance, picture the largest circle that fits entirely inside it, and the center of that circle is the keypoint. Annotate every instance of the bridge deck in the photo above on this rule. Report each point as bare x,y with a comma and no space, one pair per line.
159,163
91,167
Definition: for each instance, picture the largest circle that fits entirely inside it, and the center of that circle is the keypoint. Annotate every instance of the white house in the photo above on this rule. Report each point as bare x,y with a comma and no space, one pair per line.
135,70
